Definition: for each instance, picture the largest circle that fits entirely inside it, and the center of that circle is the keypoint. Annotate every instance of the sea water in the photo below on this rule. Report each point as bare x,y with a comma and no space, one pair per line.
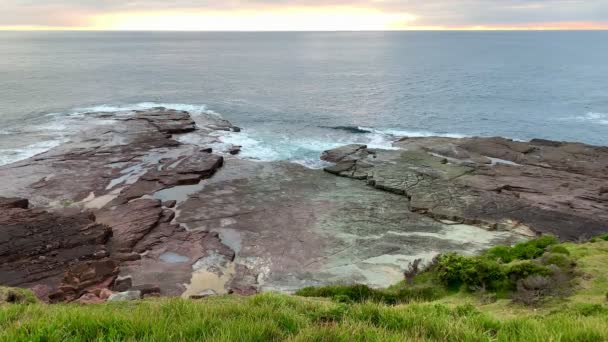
297,94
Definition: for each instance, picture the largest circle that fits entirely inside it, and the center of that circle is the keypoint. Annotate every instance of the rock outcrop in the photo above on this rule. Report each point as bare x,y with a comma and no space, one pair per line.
139,206
98,215
540,186
37,246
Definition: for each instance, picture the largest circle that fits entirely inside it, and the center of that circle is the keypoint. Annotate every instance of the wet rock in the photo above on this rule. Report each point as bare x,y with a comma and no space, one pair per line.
234,150
344,153
122,284
190,169
169,204
167,120
125,296
13,203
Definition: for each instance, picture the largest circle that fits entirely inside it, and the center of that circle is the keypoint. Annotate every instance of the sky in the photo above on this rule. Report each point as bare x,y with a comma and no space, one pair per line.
302,15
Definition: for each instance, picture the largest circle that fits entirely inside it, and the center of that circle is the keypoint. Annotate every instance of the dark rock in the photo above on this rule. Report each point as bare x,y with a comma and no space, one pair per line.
244,291
167,216
13,203
122,284
169,204
236,129
234,150
147,289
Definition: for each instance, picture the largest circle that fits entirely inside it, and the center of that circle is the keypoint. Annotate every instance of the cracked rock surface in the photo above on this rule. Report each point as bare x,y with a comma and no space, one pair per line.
129,198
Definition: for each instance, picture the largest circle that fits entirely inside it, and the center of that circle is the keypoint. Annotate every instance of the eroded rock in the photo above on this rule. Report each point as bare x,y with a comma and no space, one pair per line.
38,246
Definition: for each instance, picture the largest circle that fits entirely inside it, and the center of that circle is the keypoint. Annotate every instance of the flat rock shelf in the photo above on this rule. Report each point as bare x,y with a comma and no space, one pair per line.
124,207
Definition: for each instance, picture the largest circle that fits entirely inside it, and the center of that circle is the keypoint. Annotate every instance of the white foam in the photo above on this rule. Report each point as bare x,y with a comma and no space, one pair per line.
61,125
8,156
591,117
191,108
414,134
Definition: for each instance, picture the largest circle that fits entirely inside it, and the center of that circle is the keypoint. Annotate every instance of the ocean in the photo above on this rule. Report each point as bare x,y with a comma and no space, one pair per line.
296,94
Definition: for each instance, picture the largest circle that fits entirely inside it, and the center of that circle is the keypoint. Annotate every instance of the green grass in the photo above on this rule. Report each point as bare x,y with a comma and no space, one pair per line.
273,317
350,313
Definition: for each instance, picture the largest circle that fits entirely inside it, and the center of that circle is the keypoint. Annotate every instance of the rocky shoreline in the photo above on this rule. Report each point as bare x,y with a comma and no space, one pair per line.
124,210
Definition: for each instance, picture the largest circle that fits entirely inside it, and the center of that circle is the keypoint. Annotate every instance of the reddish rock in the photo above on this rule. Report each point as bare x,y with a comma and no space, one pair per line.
37,247
168,120
89,298
131,222
85,278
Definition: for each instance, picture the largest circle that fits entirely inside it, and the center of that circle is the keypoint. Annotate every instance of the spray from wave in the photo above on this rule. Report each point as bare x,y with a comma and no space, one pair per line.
590,117
259,145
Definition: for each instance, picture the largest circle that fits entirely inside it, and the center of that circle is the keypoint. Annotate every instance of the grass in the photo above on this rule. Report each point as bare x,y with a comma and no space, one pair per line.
455,316
274,317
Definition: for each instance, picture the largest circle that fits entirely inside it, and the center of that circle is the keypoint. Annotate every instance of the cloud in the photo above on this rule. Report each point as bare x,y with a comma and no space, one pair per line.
444,13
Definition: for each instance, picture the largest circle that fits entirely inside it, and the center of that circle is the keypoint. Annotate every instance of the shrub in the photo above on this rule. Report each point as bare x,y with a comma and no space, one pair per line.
559,260
413,269
455,270
604,237
531,290
451,267
16,296
525,269
533,249
559,249
524,250
499,253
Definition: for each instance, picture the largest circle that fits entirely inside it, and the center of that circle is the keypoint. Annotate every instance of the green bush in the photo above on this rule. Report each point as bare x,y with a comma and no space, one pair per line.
524,251
559,249
604,237
16,296
525,269
559,260
451,267
456,270
534,248
499,253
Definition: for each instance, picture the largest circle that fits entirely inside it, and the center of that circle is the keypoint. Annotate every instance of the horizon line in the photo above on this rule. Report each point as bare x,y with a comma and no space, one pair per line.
288,31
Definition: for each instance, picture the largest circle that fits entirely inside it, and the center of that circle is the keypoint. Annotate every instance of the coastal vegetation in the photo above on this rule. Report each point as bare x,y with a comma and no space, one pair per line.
534,291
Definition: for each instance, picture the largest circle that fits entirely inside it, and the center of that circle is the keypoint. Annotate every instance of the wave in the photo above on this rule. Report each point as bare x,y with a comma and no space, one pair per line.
350,129
8,156
107,108
590,117
56,128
